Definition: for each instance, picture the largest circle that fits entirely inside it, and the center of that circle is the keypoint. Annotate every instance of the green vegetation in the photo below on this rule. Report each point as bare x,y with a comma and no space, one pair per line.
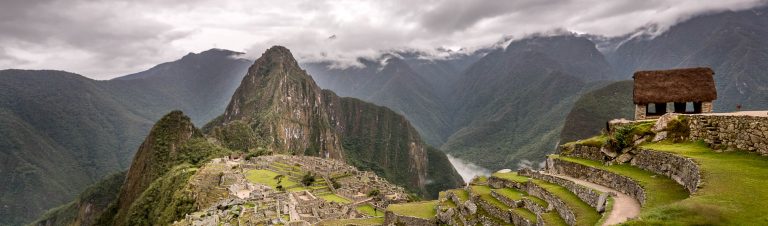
734,187
510,193
585,214
308,179
623,136
678,129
367,209
553,218
361,222
424,209
512,176
604,102
268,178
166,200
660,190
335,198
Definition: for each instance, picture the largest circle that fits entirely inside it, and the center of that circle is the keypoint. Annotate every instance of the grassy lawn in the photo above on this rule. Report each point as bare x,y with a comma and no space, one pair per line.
510,193
553,218
424,210
360,221
512,176
659,190
367,209
335,198
267,177
585,214
733,192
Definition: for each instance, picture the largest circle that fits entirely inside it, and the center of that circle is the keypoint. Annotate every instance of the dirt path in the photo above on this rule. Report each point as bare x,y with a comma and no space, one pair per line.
624,206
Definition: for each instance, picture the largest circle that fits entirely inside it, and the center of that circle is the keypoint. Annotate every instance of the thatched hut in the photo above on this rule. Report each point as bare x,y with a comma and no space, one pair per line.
687,90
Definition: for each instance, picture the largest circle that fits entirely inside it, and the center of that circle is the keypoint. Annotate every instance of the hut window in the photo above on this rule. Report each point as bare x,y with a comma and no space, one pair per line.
656,108
697,107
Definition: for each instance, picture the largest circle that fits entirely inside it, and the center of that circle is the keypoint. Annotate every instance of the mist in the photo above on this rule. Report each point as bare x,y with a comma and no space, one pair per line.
467,170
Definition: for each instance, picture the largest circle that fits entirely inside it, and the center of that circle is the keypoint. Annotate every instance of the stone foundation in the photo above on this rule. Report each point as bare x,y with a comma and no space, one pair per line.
582,151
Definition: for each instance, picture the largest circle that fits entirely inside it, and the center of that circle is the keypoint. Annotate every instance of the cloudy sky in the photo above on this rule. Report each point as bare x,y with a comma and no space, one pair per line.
106,39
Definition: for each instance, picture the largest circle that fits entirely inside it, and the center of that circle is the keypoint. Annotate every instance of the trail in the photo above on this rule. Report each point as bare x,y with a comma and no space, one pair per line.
624,206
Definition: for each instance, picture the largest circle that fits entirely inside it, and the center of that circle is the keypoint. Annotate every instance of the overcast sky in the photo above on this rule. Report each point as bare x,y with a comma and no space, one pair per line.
106,39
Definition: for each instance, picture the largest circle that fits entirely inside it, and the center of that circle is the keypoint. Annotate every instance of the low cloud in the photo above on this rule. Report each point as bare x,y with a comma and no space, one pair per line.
467,170
105,39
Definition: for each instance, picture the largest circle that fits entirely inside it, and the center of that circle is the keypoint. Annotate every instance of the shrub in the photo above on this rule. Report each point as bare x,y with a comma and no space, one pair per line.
308,179
678,129
621,138
374,192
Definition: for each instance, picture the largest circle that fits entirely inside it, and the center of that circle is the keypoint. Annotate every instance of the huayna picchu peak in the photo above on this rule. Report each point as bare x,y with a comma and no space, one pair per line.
277,110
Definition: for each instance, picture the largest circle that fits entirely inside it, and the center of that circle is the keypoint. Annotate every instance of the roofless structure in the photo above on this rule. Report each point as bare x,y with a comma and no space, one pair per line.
687,91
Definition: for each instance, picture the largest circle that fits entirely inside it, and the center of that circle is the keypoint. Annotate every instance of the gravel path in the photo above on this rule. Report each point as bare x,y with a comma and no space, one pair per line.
624,206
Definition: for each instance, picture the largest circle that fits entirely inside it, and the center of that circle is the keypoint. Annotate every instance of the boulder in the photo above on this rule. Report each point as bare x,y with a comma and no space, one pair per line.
624,158
608,152
661,124
660,136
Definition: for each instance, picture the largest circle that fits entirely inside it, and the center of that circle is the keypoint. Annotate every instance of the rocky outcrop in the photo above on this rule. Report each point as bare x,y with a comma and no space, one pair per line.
683,170
278,108
748,133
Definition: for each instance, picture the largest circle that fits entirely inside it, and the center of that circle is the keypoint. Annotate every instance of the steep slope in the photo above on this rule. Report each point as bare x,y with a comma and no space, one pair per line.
733,44
88,206
62,132
390,82
280,109
510,105
593,109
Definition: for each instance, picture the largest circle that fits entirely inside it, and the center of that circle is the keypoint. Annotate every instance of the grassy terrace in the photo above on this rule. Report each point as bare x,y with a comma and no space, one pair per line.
462,194
361,222
267,177
510,193
660,190
335,198
485,194
367,209
424,210
585,214
733,193
512,176
553,218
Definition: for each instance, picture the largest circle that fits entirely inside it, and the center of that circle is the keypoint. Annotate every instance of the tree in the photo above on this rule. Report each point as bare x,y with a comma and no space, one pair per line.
308,179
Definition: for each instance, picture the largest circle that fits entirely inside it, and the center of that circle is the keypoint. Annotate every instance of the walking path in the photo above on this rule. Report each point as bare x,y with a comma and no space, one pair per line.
624,206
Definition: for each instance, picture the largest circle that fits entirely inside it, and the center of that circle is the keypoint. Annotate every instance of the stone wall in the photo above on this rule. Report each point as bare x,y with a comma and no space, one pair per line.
390,218
565,212
588,195
495,182
582,151
739,132
501,214
640,111
681,169
621,183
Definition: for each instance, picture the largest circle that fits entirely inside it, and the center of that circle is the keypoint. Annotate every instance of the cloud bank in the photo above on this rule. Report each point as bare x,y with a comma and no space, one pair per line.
105,39
467,170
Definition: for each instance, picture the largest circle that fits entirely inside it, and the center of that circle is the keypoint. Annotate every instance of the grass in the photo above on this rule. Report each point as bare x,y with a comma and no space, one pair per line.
553,218
267,177
733,193
462,194
367,209
510,193
596,141
359,221
537,200
424,210
585,214
512,176
335,198
659,190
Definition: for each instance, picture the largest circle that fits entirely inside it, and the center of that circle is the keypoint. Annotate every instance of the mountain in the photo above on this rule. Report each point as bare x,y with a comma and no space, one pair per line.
391,82
62,132
732,43
509,106
593,109
479,106
279,108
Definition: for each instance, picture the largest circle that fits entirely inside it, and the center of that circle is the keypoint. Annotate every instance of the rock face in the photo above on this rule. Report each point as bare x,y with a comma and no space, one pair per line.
278,108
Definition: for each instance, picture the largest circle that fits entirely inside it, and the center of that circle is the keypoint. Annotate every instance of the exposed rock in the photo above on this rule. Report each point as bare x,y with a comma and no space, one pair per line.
660,136
624,158
661,123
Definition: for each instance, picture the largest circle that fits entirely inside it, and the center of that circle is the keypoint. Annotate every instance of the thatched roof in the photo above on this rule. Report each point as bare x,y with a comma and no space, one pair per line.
676,85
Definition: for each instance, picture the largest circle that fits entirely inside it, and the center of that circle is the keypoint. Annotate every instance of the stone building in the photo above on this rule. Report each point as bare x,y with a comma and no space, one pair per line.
684,91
